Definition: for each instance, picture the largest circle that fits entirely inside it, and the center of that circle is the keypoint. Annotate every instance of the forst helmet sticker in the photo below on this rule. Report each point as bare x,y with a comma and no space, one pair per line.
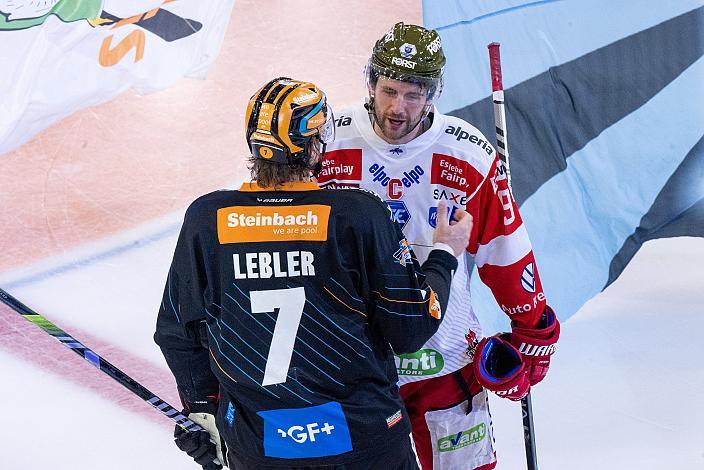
434,46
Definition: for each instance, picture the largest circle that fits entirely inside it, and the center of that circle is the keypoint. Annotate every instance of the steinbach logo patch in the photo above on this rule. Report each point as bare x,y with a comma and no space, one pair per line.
315,431
242,224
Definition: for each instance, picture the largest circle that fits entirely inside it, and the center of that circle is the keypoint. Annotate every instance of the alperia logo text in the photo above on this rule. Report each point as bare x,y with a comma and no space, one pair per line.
462,438
423,362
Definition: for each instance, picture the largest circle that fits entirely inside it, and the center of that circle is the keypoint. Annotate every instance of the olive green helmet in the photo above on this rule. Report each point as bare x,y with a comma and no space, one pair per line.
409,53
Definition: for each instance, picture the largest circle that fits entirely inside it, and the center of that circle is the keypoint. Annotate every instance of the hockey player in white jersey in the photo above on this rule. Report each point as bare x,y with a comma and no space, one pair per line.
400,146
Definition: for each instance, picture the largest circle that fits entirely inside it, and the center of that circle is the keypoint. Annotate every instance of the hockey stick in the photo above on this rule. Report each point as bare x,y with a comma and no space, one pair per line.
125,380
497,95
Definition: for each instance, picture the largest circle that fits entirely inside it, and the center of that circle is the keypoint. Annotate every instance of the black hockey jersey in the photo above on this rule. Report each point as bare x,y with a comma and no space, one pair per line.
301,295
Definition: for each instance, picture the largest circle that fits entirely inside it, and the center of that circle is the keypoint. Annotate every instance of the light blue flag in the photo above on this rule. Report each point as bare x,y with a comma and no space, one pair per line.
605,125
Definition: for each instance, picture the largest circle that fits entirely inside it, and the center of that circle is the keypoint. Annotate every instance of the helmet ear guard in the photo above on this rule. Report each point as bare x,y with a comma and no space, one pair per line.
283,117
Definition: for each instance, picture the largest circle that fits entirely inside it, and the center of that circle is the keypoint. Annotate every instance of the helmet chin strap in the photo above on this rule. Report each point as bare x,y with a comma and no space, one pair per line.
318,166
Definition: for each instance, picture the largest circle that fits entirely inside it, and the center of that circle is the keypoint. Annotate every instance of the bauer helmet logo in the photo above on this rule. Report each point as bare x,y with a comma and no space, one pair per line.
407,50
266,152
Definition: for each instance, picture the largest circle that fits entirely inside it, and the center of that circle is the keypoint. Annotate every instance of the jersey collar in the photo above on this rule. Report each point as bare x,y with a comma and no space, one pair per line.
294,186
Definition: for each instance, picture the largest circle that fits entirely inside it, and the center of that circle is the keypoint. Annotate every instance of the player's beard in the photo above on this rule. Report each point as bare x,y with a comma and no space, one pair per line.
395,134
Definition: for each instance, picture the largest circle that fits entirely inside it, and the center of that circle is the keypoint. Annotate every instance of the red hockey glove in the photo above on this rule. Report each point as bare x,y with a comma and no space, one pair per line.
509,363
537,345
499,367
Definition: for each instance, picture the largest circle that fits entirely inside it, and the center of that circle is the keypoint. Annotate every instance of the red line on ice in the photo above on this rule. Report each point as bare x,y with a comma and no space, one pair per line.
28,342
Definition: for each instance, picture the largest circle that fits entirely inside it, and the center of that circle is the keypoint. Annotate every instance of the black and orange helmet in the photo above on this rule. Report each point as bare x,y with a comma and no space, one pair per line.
283,116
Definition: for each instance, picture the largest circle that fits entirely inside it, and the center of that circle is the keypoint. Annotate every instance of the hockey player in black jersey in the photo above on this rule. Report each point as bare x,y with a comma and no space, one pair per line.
284,305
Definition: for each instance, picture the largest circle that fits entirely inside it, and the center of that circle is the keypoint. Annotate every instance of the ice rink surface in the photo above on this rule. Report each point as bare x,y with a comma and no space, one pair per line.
89,225
623,392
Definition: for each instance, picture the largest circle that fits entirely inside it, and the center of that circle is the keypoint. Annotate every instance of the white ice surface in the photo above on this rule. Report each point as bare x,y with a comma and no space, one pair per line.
626,389
53,424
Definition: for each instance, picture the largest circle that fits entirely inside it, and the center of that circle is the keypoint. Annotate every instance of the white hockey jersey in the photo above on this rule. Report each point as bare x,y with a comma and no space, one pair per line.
452,161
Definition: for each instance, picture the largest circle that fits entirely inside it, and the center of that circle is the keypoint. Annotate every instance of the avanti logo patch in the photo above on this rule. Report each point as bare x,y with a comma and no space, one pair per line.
423,362
462,438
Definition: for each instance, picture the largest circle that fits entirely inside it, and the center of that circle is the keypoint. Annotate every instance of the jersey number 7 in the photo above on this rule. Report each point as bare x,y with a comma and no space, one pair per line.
290,303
